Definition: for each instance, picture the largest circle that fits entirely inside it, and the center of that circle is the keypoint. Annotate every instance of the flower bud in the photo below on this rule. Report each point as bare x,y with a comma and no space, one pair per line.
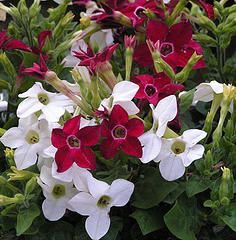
184,74
8,67
20,175
30,185
4,200
226,190
84,20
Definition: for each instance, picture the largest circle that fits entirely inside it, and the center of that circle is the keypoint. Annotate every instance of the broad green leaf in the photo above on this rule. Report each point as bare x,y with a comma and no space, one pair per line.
196,185
172,197
115,228
181,220
151,189
230,219
25,218
148,220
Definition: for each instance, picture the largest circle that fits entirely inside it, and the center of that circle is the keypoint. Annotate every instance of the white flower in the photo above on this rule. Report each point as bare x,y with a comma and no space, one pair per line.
57,194
30,138
164,112
178,153
101,39
52,105
122,94
205,91
97,203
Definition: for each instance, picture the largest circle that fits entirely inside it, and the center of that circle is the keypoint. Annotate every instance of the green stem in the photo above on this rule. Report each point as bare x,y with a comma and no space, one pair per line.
219,60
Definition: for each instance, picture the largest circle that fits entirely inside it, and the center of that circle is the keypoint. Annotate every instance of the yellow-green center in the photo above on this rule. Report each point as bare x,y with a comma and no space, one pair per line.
32,137
103,201
59,191
178,147
43,98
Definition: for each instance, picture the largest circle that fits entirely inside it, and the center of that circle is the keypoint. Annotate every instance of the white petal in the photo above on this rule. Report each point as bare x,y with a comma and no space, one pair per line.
171,168
84,73
165,150
193,136
120,192
66,176
196,152
129,106
25,156
151,146
46,176
30,122
53,210
53,113
80,178
97,225
13,138
96,187
83,203
164,112
124,91
70,61
33,91
28,107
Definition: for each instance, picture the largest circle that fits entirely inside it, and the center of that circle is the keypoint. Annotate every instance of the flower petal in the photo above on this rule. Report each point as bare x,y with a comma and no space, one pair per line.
151,146
132,147
120,192
58,138
118,115
28,107
171,168
13,138
71,127
97,188
135,127
86,158
129,106
53,210
156,30
193,136
97,225
89,135
83,203
64,159
109,148
196,152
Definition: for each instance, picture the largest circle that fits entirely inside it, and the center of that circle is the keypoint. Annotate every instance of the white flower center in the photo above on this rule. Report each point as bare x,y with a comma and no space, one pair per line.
43,98
32,137
178,147
59,191
103,201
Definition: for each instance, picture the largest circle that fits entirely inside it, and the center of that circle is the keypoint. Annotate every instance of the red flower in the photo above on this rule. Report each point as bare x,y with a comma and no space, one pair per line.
120,133
8,43
153,89
38,70
92,60
175,44
72,144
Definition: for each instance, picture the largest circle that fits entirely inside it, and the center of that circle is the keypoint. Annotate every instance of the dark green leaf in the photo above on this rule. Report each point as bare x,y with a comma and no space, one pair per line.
148,220
151,189
230,219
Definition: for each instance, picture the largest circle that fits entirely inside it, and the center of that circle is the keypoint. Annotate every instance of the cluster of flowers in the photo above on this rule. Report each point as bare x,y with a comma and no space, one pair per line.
65,151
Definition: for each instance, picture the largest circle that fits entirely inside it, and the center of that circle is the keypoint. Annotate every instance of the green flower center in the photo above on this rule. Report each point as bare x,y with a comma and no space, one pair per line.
59,191
103,201
43,98
178,147
32,137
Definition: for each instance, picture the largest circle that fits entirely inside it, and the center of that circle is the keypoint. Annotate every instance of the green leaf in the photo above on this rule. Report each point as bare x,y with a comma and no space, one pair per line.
151,189
25,218
230,219
196,185
172,197
148,220
181,220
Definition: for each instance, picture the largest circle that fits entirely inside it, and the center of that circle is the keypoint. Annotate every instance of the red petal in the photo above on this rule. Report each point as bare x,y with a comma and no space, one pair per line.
157,31
86,159
143,56
171,89
135,127
15,44
64,159
105,131
118,116
42,38
180,34
89,135
109,148
71,127
58,138
132,147
207,7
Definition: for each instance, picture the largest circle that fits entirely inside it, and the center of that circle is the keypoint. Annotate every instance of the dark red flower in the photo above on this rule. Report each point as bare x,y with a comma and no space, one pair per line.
175,44
92,60
73,145
38,70
153,89
120,133
8,43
